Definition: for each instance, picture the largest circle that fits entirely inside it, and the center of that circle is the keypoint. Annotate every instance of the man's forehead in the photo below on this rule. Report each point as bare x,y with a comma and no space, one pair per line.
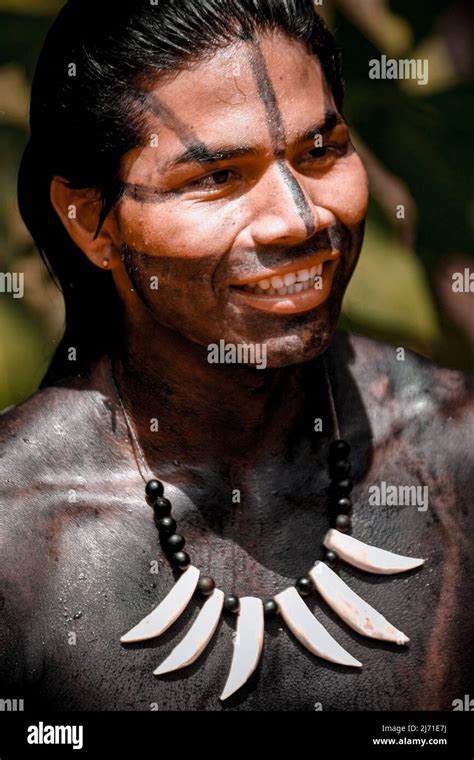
262,91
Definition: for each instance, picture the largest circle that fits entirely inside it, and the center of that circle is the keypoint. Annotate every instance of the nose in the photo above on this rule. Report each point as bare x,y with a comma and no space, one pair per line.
283,212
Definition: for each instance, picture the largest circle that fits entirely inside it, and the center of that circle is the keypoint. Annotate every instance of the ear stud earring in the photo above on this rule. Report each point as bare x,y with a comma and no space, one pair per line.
105,263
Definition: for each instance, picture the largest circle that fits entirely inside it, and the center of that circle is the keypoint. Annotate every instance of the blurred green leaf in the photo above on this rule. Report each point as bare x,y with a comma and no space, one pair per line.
39,7
22,354
389,293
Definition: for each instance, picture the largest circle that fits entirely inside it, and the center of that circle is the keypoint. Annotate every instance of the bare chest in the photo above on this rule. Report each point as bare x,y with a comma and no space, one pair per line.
108,572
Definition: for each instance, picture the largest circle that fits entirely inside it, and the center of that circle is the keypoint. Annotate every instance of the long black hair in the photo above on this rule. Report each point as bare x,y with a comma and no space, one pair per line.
84,117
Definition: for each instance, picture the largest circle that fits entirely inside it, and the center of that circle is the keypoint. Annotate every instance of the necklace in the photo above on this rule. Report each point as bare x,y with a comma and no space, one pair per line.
250,611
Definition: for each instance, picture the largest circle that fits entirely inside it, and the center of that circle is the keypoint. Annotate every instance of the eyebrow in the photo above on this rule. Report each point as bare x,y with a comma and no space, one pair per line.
199,153
332,119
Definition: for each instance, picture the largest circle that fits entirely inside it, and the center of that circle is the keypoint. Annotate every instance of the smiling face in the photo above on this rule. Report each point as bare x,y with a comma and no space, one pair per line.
247,202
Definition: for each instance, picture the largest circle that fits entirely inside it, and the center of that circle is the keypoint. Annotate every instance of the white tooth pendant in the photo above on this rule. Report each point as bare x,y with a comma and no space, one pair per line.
367,557
198,636
167,611
248,644
357,613
309,631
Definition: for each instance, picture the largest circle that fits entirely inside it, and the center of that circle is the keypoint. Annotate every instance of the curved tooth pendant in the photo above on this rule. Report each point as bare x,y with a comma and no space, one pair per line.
168,610
198,636
309,631
357,613
248,644
366,557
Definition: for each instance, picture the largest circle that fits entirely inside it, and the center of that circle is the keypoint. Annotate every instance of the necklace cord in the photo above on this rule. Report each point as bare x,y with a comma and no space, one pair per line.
332,403
137,449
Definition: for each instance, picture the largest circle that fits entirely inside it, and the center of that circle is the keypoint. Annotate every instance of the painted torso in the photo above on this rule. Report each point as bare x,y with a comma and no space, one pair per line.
81,562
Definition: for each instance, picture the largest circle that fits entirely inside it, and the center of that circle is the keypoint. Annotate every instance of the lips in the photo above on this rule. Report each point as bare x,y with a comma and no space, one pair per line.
286,284
282,276
291,289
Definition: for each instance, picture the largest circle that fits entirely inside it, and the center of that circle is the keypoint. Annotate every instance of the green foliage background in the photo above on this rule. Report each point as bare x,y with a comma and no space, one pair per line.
420,137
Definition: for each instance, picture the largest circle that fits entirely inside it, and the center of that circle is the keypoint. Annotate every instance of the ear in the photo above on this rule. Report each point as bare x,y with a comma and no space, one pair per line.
79,211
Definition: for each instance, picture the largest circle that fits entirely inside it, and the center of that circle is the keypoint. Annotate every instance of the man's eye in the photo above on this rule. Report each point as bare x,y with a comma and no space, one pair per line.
213,180
324,153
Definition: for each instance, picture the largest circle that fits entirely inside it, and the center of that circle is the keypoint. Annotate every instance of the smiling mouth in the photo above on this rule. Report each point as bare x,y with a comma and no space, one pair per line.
290,290
287,284
289,279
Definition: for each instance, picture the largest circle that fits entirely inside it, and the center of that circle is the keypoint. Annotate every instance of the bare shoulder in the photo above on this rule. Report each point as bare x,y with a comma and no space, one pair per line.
405,388
39,435
53,448
421,418
51,444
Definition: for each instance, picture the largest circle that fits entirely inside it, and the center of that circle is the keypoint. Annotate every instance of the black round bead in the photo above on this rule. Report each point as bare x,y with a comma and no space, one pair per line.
175,542
340,469
154,489
162,507
330,558
206,585
343,522
270,608
339,449
180,560
343,488
304,585
344,505
167,525
231,603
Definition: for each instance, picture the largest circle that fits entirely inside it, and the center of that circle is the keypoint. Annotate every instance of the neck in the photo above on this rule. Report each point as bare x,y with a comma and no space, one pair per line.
188,411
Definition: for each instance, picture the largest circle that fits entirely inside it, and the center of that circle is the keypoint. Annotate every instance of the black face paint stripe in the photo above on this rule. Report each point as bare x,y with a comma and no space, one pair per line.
268,97
184,133
129,261
144,193
194,147
277,133
298,196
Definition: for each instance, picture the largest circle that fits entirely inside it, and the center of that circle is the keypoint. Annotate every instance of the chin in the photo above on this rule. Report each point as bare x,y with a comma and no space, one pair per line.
291,350
294,339
302,343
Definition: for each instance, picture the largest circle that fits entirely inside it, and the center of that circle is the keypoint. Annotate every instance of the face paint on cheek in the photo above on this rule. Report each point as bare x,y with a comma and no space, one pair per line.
144,194
185,300
162,280
130,260
356,246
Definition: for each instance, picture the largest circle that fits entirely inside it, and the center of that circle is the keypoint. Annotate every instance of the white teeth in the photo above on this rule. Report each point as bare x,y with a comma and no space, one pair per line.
288,284
297,287
277,282
302,275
